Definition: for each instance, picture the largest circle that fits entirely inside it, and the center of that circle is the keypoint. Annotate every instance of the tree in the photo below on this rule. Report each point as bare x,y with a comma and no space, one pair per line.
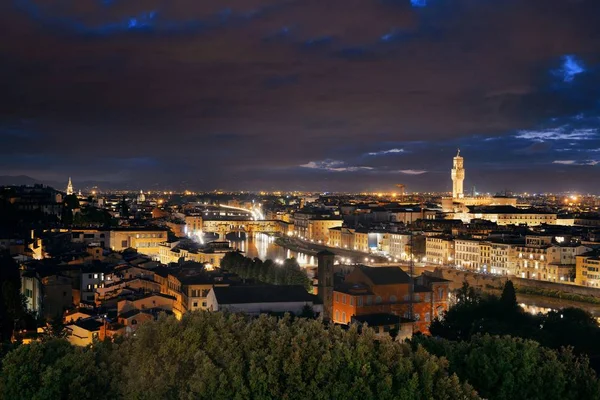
55,328
509,296
494,316
506,368
229,356
467,294
307,312
12,302
71,202
56,370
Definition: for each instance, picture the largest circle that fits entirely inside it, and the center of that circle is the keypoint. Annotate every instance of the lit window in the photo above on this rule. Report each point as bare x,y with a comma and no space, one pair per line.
95,276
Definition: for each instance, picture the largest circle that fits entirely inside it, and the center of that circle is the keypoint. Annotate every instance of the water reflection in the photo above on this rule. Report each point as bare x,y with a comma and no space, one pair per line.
535,310
263,246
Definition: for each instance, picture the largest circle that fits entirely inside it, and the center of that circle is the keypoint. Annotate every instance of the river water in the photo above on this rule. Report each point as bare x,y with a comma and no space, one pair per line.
264,247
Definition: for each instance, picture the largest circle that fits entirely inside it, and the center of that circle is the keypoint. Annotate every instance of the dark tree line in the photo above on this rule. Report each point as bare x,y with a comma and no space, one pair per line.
221,356
290,273
231,356
476,313
506,368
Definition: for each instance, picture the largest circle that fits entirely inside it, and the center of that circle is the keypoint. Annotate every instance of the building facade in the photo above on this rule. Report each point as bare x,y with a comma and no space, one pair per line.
439,250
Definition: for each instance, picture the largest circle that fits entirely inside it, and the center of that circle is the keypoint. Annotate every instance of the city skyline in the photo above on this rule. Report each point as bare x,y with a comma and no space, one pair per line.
265,95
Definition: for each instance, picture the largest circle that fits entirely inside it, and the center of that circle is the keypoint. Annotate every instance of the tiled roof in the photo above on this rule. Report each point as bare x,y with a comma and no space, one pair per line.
385,275
263,294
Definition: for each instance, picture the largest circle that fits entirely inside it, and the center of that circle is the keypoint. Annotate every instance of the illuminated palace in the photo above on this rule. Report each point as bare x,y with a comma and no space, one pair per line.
459,203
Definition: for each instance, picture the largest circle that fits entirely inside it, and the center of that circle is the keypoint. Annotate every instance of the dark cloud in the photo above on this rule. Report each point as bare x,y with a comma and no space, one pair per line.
261,94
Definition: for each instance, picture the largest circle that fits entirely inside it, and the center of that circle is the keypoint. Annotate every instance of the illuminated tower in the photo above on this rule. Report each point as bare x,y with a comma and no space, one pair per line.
458,177
69,188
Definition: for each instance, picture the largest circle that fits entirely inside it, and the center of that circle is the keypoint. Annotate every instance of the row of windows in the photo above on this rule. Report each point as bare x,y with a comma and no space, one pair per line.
148,235
199,292
94,286
358,300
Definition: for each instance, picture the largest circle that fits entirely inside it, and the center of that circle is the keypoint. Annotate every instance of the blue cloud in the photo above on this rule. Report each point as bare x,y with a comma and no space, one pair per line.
334,166
418,3
147,21
570,67
386,152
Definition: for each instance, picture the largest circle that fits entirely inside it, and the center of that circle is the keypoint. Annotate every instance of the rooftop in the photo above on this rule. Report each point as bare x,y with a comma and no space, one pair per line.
262,294
385,275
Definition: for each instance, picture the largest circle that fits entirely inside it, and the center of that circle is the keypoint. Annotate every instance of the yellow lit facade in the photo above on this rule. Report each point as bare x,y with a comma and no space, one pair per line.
587,270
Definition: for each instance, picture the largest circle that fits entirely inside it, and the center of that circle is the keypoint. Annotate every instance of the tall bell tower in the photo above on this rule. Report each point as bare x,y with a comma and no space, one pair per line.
325,273
458,176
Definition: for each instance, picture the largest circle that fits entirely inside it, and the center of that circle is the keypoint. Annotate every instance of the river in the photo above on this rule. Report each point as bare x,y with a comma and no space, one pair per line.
263,246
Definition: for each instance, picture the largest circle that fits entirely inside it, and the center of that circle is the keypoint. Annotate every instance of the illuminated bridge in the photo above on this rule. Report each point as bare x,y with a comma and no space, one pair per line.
223,227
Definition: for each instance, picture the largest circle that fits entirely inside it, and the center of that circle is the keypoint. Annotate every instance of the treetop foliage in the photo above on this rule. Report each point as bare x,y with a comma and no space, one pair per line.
290,273
476,314
506,368
227,356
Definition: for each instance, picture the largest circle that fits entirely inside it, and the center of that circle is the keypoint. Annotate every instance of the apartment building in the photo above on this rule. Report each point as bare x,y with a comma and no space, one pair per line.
440,250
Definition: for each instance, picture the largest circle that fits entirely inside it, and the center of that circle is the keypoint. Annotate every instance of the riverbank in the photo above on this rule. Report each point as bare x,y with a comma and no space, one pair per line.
529,295
298,245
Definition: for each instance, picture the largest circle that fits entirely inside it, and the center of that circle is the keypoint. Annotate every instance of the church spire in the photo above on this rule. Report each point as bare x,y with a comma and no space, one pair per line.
70,187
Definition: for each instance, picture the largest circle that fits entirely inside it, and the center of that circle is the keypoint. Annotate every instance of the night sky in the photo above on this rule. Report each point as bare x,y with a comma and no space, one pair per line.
311,95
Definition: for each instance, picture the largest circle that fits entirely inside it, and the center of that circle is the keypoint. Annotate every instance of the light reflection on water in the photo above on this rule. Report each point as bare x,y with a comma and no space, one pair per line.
535,310
264,247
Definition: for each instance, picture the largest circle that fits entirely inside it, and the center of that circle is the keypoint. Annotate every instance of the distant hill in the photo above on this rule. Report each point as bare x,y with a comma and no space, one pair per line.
6,180
18,180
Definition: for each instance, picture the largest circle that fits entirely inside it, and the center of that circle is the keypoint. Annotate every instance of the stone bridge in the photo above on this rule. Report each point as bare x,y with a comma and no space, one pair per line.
223,227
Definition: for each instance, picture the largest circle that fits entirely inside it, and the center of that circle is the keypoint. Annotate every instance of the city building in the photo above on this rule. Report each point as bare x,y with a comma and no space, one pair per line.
47,292
315,225
439,250
508,215
588,269
174,252
375,290
468,253
83,332
145,240
255,300
458,202
399,245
